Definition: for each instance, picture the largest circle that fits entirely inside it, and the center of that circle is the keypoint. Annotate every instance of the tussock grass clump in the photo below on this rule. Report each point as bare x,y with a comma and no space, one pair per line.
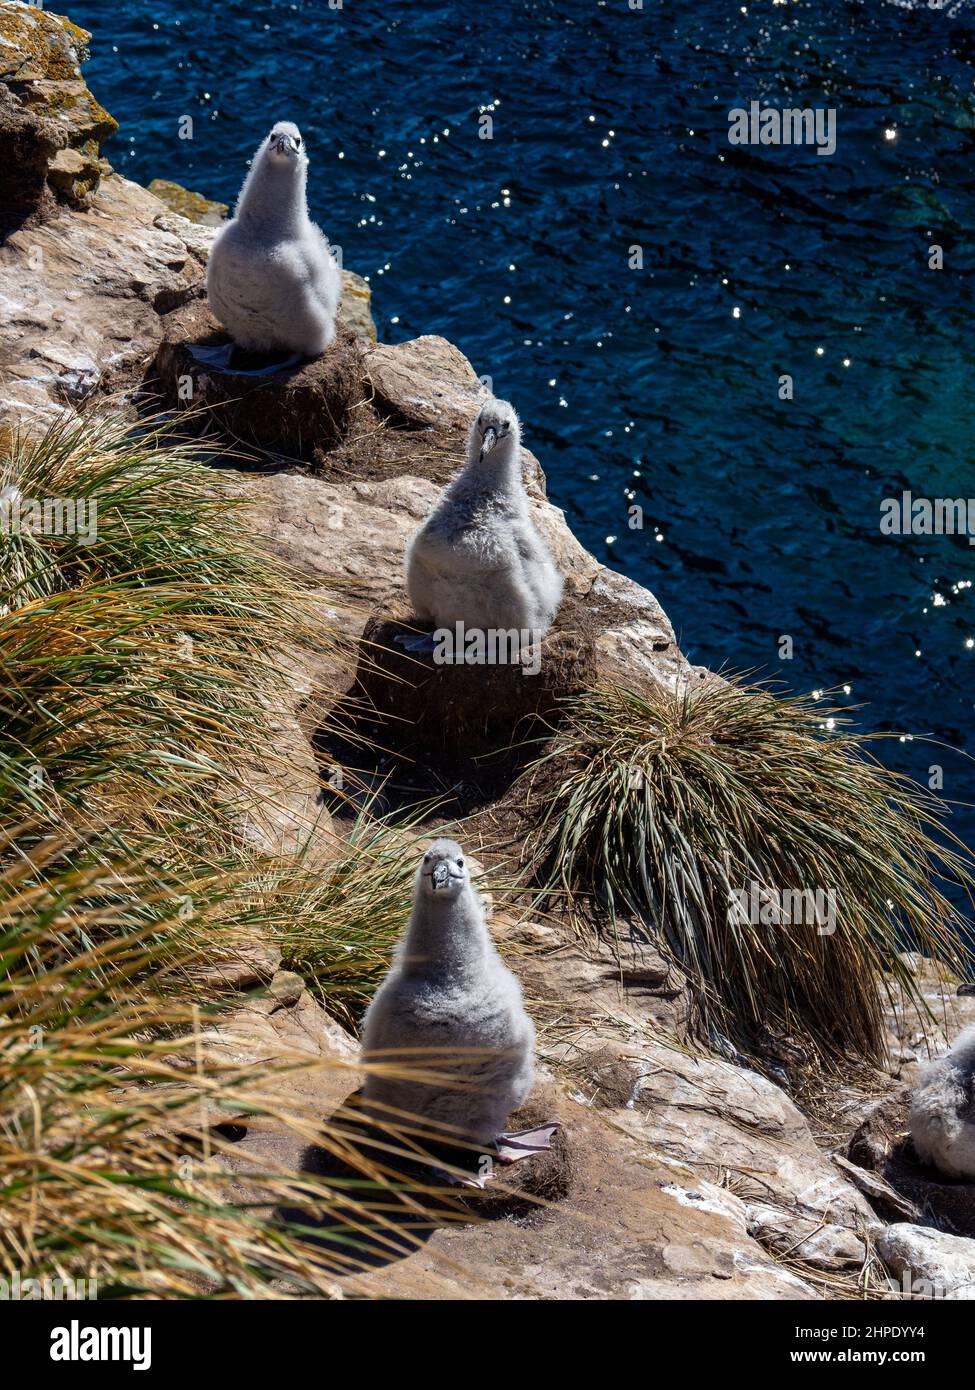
686,811
141,674
338,931
120,691
148,511
113,1167
141,627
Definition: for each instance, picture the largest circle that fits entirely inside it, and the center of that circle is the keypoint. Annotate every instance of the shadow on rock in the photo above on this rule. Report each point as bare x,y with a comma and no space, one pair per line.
395,1194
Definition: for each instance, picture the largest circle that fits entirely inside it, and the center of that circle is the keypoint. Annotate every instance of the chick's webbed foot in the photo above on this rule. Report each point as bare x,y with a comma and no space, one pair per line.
507,1148
522,1143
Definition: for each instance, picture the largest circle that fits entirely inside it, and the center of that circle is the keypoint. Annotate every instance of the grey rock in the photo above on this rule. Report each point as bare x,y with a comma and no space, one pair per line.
929,1264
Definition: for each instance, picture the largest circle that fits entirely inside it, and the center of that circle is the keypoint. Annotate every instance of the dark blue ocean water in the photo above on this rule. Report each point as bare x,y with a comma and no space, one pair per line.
646,386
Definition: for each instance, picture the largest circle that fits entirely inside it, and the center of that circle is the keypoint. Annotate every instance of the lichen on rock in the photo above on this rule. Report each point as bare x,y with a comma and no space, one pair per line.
193,206
40,66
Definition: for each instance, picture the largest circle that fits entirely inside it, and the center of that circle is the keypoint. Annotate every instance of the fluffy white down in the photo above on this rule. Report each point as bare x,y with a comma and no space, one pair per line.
942,1119
448,990
478,558
272,281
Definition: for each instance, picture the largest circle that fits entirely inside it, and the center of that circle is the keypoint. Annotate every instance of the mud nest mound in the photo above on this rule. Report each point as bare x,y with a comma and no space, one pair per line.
300,411
472,708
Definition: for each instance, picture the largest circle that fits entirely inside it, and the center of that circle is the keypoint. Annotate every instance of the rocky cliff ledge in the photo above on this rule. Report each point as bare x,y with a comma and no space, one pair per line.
689,1176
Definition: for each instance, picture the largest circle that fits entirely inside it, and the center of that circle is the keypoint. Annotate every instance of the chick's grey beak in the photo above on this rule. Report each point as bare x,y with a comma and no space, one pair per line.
488,442
440,875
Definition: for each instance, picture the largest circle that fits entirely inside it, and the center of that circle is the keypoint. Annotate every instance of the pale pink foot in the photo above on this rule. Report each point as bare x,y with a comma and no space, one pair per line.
522,1143
508,1148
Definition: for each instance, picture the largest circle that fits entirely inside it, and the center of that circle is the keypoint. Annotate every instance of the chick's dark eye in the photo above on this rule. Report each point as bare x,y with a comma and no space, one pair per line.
460,863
